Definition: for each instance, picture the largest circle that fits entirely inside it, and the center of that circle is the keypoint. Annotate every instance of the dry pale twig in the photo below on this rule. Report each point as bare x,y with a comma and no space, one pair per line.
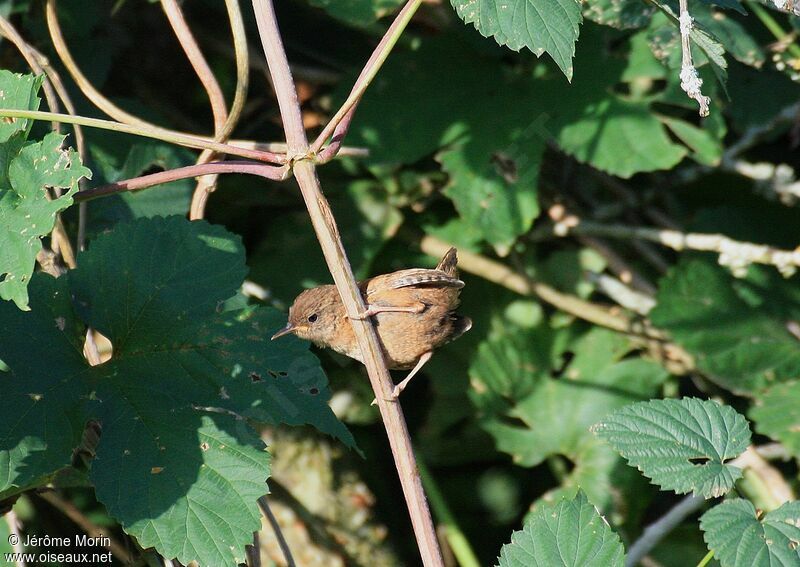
732,253
690,79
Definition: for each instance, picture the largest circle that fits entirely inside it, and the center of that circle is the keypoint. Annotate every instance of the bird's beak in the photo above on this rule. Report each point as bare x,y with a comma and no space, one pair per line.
289,328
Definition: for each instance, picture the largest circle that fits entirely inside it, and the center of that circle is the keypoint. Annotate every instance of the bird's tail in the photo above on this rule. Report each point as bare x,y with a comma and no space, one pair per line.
448,263
461,325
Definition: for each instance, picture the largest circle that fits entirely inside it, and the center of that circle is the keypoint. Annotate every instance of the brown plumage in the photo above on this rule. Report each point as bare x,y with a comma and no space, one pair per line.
413,310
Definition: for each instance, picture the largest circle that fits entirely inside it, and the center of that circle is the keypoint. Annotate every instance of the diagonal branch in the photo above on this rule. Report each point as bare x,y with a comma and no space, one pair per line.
336,258
214,168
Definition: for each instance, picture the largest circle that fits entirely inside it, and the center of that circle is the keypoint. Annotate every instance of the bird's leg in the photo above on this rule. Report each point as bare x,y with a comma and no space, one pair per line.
371,310
402,385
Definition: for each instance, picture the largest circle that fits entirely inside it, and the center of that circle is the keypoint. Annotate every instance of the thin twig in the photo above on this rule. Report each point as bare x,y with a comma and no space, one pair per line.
146,128
84,84
336,258
732,253
201,67
658,530
622,294
340,123
146,181
162,134
273,521
253,558
501,274
219,110
92,530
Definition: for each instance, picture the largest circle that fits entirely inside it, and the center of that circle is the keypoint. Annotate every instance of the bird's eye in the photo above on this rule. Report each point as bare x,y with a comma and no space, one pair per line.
312,317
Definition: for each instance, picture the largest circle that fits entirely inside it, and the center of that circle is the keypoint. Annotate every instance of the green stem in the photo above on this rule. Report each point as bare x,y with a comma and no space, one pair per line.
455,537
704,561
774,27
154,133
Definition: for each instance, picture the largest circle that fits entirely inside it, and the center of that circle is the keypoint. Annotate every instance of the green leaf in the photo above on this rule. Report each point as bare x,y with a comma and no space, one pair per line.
396,131
620,14
706,148
739,538
533,416
740,347
682,445
26,214
622,138
777,414
594,125
731,34
358,12
175,465
17,92
540,25
493,180
569,533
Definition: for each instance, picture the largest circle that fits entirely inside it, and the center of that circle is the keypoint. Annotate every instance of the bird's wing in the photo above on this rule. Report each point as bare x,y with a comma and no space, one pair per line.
412,277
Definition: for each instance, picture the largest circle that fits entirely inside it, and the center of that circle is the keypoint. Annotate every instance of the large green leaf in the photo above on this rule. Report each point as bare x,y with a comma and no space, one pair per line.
739,537
533,415
494,177
26,213
682,445
597,126
175,465
540,25
569,533
776,413
492,135
740,347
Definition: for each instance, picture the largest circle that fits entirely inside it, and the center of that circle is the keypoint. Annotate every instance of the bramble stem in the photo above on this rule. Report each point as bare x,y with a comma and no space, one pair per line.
336,258
146,181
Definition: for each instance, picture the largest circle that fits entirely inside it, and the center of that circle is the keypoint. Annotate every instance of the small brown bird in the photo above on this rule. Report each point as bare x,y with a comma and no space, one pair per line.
414,314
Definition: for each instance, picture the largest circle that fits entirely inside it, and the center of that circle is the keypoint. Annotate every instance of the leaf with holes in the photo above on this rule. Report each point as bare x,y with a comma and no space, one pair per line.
177,463
26,213
569,533
550,26
740,538
681,445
